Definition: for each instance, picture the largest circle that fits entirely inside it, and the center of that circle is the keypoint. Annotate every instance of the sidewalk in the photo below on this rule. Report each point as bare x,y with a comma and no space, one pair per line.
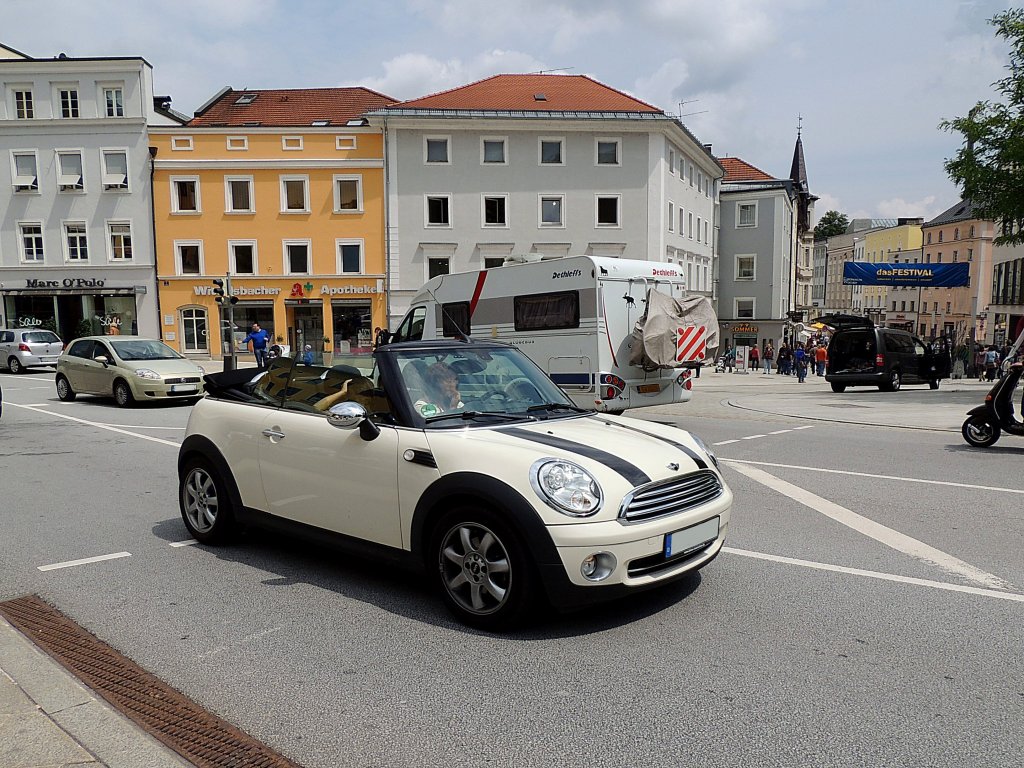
50,720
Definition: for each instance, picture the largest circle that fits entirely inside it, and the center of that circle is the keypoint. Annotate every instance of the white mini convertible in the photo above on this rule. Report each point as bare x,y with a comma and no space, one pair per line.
461,456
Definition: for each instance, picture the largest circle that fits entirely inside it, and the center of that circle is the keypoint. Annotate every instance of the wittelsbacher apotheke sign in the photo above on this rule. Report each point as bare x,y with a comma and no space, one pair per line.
263,290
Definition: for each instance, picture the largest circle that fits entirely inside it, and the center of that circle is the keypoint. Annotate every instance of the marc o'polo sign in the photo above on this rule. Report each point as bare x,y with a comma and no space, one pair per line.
67,282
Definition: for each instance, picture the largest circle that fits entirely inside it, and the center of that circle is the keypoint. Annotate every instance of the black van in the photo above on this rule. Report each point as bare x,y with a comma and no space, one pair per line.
863,354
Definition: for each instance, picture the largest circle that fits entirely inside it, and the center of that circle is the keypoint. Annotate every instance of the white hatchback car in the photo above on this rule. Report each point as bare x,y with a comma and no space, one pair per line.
462,456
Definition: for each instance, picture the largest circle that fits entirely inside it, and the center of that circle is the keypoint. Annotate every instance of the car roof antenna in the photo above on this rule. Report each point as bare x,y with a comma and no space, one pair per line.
460,334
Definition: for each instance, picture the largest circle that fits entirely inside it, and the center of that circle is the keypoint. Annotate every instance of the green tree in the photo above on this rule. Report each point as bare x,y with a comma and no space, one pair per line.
989,167
831,223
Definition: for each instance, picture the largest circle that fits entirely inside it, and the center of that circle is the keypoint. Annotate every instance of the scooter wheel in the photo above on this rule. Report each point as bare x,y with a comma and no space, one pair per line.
980,432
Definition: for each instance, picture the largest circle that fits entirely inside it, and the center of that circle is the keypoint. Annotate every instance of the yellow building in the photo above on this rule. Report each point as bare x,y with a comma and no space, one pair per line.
887,246
284,190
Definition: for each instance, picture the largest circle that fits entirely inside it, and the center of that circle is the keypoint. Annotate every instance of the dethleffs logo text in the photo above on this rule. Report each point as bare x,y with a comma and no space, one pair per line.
664,273
258,290
567,273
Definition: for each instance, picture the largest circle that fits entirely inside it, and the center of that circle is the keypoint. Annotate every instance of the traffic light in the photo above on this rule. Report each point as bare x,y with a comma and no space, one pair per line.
219,291
222,291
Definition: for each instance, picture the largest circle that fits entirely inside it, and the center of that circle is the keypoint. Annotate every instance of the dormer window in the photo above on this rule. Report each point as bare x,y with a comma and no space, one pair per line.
246,98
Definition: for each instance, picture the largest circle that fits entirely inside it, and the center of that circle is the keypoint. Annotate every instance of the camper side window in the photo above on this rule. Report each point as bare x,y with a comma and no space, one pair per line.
411,328
455,319
547,311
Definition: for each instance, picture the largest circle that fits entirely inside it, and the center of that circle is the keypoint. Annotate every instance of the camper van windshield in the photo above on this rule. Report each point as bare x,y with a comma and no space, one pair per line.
451,385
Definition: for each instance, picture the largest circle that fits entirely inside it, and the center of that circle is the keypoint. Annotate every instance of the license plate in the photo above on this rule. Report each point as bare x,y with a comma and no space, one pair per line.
692,538
184,388
648,389
49,360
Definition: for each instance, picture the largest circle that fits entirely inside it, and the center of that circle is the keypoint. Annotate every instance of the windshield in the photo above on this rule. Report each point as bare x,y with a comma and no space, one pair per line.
42,337
143,349
479,383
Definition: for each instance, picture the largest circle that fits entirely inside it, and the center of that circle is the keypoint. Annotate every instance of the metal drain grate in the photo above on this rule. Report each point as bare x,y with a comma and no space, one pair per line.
196,734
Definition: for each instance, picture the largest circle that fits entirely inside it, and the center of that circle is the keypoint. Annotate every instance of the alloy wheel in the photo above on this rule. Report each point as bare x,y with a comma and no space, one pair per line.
475,568
199,500
14,365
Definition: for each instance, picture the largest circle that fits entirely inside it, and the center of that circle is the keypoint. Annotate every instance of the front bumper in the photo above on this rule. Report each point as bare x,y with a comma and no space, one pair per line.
168,389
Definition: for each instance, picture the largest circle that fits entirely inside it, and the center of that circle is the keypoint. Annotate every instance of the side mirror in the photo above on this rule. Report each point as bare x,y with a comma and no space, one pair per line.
350,415
102,359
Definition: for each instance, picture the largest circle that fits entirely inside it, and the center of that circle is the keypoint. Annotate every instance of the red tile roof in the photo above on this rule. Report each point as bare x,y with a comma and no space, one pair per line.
738,170
291,107
513,93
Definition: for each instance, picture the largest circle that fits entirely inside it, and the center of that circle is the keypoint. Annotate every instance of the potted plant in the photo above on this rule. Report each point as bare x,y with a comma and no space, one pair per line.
328,351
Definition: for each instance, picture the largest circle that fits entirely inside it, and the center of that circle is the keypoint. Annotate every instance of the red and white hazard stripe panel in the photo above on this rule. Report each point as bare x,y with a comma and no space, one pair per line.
691,344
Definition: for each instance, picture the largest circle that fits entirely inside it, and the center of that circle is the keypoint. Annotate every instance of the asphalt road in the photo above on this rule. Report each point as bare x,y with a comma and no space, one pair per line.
868,614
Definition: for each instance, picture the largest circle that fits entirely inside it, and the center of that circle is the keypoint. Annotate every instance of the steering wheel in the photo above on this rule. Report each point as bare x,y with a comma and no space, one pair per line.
522,389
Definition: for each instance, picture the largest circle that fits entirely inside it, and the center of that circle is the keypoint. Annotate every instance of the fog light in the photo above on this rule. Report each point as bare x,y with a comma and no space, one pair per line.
598,566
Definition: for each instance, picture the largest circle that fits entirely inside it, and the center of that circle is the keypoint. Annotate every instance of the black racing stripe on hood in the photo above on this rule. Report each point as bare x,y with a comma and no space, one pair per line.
701,464
632,473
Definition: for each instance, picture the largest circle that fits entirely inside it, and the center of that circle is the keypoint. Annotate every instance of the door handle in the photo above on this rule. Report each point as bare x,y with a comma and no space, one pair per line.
273,433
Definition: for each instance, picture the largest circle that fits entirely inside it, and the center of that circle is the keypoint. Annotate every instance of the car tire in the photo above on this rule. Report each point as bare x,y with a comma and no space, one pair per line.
933,384
64,391
837,387
980,432
894,383
206,503
484,574
123,394
14,365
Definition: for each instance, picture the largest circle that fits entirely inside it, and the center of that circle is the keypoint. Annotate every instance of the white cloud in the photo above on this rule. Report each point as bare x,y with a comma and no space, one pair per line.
894,208
825,203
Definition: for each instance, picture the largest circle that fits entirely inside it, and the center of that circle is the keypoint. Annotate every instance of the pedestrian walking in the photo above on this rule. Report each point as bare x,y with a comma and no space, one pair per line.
730,359
979,362
800,360
991,363
258,338
754,358
785,362
769,355
821,358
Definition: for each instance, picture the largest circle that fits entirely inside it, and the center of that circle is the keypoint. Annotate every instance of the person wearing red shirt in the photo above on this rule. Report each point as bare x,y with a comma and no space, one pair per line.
820,358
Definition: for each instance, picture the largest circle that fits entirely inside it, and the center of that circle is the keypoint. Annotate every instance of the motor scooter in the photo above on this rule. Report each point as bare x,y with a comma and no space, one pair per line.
988,421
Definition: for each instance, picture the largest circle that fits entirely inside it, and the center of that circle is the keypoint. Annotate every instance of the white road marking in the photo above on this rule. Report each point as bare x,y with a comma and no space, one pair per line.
84,561
725,442
878,575
880,533
186,543
38,409
246,639
138,426
968,486
806,426
752,437
755,437
780,431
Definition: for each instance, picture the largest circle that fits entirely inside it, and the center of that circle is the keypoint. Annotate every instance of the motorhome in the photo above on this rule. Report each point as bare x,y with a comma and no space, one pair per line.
613,333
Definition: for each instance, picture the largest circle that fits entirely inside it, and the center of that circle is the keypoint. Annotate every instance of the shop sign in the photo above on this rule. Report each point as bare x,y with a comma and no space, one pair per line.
29,322
108,320
67,282
256,290
744,328
327,290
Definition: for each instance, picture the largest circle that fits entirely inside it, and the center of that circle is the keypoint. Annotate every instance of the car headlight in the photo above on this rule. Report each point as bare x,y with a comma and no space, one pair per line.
566,487
202,371
146,373
704,447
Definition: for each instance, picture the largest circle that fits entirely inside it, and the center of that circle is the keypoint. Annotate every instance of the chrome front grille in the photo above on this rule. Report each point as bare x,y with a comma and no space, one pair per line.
670,497
183,380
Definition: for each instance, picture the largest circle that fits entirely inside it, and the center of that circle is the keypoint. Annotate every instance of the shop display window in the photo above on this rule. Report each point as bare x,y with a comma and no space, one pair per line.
31,312
353,330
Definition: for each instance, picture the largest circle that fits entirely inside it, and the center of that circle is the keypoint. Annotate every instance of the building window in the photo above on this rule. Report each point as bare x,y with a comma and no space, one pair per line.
490,262
294,194
671,216
69,170
238,194
689,172
181,143
698,229
940,235
344,142
113,101
350,257
120,239
745,268
608,210
743,309
682,222
193,322
956,233
672,162
971,231
291,143
348,194
69,102
689,225
438,266
438,213
928,239
706,241
970,254
76,246
551,152
495,210
296,257
551,211
746,214
237,143
243,257
189,258
492,151
24,108
435,150
31,241
115,169
185,195
903,306
26,175
608,152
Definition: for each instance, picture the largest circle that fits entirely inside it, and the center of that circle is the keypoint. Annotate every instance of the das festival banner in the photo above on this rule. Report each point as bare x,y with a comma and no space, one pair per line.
923,275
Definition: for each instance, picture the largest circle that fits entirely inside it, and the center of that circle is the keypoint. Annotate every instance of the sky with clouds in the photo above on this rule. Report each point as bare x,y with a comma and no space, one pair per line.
871,79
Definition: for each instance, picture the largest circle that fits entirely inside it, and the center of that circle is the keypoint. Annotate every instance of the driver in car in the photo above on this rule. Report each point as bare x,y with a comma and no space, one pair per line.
443,390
